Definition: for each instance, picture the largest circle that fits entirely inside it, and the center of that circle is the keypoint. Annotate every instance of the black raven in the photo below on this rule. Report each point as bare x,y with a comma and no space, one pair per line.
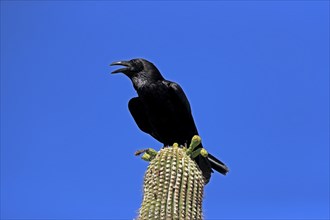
163,110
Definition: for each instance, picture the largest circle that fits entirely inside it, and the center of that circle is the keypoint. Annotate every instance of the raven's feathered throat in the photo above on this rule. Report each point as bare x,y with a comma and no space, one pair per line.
163,110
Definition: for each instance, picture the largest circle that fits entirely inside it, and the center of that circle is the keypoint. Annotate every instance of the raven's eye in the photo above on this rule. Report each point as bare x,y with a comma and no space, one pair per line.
138,65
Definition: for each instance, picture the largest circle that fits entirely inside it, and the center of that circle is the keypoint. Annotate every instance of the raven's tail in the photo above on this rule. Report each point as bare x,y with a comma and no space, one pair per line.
218,165
206,164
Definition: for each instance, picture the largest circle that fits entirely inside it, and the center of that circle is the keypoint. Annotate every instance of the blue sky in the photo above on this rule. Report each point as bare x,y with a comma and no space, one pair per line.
256,74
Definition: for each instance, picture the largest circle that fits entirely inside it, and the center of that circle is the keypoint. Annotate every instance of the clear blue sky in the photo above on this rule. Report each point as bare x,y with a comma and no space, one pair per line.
256,74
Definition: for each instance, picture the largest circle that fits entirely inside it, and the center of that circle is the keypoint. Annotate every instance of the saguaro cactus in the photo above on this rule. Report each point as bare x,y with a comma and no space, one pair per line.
173,184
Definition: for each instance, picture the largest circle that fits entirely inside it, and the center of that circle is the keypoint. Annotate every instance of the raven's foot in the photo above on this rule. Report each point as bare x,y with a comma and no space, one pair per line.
148,155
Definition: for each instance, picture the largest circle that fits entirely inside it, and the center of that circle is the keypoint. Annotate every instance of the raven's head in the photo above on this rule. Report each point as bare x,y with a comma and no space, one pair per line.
139,68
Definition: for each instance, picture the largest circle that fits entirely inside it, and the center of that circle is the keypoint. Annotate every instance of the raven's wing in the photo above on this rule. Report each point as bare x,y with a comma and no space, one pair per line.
137,110
179,94
180,100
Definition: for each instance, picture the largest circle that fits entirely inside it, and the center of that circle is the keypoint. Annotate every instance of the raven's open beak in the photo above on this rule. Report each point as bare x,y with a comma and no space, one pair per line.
120,63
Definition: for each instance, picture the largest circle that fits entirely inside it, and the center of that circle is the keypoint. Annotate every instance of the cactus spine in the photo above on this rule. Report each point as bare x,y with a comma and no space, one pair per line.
173,186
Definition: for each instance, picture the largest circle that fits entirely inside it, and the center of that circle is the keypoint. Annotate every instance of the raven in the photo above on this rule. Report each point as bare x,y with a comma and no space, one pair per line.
163,110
